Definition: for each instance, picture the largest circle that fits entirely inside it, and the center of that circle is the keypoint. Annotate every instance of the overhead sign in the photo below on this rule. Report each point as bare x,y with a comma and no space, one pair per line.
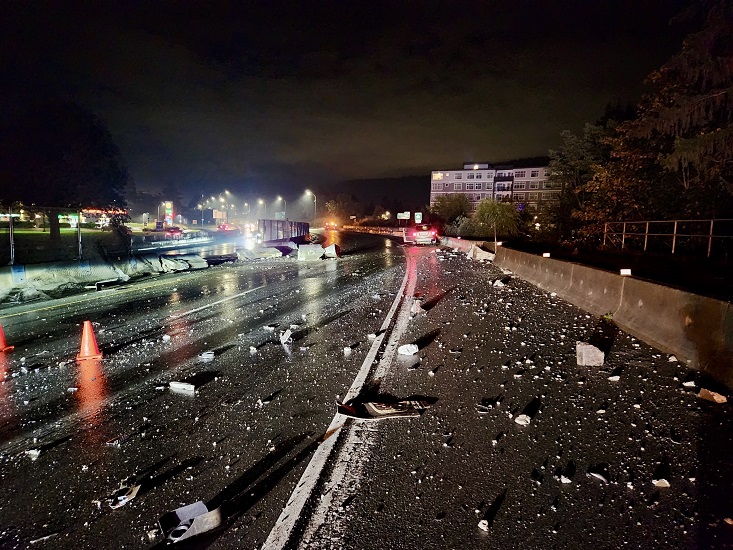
403,215
418,217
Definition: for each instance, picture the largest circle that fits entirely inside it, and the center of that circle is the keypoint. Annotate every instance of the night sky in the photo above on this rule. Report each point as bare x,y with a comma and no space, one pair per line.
273,97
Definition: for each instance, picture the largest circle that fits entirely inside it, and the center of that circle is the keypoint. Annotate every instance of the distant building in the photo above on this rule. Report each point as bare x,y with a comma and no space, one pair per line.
526,185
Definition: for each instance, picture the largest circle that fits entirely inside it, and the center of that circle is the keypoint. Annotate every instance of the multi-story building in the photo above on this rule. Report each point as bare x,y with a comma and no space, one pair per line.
528,186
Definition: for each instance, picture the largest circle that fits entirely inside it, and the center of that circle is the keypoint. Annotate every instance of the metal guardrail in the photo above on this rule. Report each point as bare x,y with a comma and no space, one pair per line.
696,234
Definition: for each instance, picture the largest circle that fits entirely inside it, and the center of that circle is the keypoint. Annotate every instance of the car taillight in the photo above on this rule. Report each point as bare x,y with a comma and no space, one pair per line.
432,233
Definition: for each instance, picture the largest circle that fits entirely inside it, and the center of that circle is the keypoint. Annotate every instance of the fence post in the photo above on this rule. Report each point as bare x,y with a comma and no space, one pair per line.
646,235
674,237
605,232
710,237
78,232
623,236
12,236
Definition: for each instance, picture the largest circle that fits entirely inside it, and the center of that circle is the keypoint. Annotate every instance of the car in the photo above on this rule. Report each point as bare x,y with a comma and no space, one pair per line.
331,225
174,231
421,234
228,229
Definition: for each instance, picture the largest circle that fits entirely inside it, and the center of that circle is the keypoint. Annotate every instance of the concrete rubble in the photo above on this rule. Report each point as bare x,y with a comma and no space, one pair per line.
589,355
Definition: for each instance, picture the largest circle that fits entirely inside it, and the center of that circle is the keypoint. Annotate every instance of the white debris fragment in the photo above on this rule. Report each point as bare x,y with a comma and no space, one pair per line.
207,356
565,480
408,349
523,420
672,359
270,328
347,351
72,390
483,525
615,378
252,350
182,387
588,355
371,336
285,337
166,338
689,384
33,454
498,284
660,483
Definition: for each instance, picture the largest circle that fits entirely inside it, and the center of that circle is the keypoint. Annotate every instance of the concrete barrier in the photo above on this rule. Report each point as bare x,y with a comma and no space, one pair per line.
696,329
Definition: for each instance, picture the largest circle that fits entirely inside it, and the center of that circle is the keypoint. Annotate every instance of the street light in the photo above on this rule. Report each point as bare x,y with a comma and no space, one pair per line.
285,204
315,202
264,207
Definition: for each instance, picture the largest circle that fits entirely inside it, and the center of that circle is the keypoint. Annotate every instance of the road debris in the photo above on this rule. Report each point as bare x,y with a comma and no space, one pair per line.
589,355
128,490
182,387
522,420
709,395
285,337
207,356
408,349
375,410
189,521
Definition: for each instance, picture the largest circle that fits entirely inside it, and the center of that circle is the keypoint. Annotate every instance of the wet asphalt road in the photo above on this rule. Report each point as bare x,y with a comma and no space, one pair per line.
240,442
580,475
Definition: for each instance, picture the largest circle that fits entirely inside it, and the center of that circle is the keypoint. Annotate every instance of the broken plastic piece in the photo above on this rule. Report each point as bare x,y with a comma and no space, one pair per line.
408,349
124,494
712,396
189,521
207,356
523,420
483,525
285,337
660,483
375,410
182,387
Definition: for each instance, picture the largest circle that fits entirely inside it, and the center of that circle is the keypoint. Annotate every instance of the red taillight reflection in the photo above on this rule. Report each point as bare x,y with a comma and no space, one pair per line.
432,233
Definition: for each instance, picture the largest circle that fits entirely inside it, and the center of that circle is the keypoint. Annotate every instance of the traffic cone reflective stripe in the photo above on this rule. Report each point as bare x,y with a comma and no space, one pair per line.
89,349
3,345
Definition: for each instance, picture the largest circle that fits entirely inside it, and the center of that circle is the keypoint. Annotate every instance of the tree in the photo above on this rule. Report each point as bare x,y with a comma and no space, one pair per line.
451,206
572,166
61,156
503,217
691,109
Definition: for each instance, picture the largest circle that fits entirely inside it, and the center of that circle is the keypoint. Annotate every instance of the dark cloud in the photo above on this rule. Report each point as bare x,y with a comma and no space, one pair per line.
251,95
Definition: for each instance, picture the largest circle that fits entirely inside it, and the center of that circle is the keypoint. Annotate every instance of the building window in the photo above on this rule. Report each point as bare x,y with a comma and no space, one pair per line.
520,173
457,186
548,196
547,172
489,185
534,185
547,184
520,185
469,186
459,176
437,176
478,186
437,186
534,174
533,196
478,196
478,175
519,196
470,175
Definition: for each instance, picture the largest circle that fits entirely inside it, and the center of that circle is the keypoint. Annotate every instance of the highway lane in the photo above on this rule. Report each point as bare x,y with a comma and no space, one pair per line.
240,442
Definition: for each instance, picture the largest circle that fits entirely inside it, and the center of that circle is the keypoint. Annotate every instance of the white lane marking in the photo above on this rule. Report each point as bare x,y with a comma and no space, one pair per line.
355,441
179,315
281,532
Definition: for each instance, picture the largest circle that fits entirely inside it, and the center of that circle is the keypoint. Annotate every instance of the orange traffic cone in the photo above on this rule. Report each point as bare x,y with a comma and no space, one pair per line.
3,345
89,349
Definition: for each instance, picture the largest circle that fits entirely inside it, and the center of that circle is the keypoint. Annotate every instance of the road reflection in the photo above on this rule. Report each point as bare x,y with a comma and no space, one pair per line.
92,388
6,406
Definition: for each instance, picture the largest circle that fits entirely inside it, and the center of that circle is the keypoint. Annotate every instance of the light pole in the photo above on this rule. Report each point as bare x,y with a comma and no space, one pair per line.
264,207
315,202
285,205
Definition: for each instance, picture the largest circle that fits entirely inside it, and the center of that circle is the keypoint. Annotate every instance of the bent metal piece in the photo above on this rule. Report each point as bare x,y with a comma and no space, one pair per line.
189,521
377,410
